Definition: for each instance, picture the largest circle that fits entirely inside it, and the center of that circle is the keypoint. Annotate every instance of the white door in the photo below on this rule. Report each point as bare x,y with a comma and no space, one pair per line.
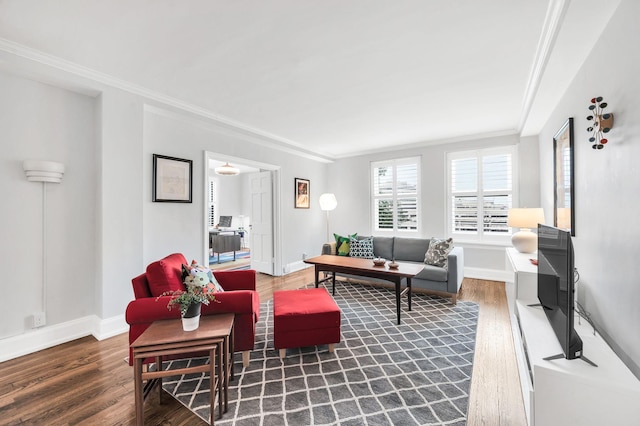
262,222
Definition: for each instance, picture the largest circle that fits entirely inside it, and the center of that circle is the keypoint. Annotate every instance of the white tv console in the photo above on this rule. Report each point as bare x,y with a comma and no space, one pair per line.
563,392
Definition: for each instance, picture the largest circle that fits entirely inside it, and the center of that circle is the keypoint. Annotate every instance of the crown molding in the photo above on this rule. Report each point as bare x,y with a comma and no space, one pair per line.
260,136
423,144
551,28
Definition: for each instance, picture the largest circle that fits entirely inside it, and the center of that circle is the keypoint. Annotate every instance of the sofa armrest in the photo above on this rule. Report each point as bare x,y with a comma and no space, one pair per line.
329,248
236,280
455,269
148,310
237,302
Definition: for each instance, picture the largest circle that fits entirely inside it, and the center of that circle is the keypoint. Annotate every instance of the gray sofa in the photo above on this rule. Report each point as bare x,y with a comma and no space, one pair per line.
445,282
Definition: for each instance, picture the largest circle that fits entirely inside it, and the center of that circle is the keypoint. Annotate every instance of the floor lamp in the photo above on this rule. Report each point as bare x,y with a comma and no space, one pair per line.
328,202
45,172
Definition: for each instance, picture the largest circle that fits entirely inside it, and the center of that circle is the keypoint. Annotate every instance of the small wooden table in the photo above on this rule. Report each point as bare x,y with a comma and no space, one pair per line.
366,268
166,337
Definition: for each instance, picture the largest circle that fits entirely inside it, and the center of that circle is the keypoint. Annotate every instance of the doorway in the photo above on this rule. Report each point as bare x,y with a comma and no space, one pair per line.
243,223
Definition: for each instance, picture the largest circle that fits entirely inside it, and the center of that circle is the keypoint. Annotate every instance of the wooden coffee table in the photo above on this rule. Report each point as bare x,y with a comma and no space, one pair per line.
366,268
163,338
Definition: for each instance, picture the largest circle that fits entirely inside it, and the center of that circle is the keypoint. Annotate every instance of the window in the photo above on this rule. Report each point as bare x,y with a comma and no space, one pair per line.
395,195
211,211
480,193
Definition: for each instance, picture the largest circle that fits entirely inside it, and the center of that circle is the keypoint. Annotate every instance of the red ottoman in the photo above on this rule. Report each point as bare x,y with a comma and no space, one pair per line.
306,317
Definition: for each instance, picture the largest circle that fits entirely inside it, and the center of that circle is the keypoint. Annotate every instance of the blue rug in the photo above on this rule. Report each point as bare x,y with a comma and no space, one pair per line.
228,257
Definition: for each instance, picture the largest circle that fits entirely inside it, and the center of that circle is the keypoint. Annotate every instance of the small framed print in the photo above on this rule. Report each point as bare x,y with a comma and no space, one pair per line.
302,193
172,179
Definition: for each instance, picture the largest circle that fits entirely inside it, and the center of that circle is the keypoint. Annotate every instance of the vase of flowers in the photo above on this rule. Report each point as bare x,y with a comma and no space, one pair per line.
198,290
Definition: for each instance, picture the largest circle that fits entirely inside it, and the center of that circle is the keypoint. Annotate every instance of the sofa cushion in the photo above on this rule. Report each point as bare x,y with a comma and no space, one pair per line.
433,273
410,249
383,247
361,248
342,243
438,252
166,274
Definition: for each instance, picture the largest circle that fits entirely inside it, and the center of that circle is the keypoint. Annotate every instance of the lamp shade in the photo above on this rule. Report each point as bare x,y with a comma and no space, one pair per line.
328,202
525,218
227,170
43,171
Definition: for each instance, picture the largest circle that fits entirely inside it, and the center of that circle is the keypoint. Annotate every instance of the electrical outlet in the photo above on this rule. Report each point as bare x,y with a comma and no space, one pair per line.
304,256
39,319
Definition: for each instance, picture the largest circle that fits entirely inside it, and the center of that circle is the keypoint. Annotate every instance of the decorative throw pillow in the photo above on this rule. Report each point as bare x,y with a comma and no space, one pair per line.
164,275
190,271
438,252
342,244
361,248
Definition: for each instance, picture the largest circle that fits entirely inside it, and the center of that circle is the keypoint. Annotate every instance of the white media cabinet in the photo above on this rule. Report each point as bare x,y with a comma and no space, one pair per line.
563,392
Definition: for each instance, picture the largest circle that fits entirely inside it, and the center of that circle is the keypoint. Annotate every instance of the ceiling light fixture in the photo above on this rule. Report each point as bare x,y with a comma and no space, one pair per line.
227,170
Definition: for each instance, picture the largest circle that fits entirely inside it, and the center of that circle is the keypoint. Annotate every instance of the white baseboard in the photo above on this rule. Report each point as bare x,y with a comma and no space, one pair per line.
46,337
103,329
296,266
488,274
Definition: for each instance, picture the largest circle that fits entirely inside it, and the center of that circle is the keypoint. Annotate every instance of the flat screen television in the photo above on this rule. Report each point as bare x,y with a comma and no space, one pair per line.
556,288
225,221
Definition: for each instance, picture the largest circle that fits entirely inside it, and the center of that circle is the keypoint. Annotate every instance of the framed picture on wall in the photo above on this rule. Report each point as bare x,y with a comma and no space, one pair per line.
302,193
563,195
172,179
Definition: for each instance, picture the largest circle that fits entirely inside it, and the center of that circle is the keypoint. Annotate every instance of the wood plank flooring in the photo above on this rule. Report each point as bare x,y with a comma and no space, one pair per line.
87,382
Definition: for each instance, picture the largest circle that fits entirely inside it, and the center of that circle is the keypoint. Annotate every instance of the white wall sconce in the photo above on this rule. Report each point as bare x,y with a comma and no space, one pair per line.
45,172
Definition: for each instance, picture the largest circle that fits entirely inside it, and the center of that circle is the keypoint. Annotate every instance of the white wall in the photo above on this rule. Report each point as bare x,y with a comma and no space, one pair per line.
353,211
103,227
38,121
180,227
607,183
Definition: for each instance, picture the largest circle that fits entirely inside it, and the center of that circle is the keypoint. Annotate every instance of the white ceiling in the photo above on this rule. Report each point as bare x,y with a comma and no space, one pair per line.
334,77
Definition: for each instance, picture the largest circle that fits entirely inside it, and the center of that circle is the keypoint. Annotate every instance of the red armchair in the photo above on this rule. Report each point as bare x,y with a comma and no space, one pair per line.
240,297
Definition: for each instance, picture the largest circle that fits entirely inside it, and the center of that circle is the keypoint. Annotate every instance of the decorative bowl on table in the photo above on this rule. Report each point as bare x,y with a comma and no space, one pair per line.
393,265
379,261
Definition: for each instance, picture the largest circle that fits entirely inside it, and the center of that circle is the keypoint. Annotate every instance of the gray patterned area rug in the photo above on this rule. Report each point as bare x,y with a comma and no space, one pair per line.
381,373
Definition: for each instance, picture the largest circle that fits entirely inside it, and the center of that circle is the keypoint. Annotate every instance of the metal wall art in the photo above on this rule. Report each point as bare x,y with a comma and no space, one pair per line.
601,122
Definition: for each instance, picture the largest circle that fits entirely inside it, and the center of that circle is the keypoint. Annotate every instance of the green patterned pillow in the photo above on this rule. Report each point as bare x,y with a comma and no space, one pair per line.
438,252
342,244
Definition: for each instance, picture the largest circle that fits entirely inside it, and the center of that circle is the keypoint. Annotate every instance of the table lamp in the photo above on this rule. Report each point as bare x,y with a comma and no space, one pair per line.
524,240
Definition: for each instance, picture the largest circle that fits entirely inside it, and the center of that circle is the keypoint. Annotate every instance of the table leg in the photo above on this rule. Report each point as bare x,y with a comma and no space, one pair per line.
333,283
159,368
227,357
221,380
212,382
409,291
398,284
232,350
317,271
137,385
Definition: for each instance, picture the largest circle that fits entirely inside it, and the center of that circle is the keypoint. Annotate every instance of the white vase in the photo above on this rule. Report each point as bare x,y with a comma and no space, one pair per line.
190,324
191,318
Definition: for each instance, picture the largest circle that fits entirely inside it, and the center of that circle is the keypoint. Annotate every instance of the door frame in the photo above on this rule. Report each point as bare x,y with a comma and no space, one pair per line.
276,203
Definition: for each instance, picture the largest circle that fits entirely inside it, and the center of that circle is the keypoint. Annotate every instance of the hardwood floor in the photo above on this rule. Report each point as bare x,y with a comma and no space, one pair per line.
87,382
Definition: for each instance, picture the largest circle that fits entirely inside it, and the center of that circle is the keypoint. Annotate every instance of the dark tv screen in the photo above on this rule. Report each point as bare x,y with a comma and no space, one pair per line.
556,281
225,222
